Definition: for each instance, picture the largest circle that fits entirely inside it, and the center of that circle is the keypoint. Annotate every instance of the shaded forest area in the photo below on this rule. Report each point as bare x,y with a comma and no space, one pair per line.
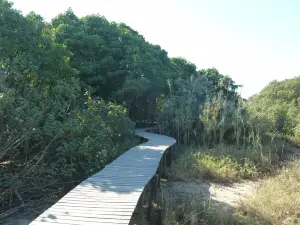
72,89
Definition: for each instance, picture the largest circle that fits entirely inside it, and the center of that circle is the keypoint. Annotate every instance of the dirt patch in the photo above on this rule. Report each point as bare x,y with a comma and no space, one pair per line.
219,195
225,196
232,195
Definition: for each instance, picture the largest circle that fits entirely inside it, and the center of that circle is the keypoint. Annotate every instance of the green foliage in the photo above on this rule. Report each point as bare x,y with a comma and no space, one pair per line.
184,69
220,84
114,59
193,114
52,140
53,134
224,163
69,87
277,105
29,54
180,110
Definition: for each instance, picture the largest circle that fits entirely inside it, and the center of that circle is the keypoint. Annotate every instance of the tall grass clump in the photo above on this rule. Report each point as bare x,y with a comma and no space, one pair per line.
277,201
223,163
224,140
179,112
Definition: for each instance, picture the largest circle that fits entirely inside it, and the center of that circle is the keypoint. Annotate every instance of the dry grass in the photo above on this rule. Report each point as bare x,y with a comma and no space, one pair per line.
191,212
277,202
224,163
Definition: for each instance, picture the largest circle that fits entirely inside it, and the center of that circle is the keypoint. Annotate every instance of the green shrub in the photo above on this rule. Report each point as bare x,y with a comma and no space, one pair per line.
224,163
51,141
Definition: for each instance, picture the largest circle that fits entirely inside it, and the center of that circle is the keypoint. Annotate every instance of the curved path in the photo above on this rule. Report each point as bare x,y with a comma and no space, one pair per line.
111,195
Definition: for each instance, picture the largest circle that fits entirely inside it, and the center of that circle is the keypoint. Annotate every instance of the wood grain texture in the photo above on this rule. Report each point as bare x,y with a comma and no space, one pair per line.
111,195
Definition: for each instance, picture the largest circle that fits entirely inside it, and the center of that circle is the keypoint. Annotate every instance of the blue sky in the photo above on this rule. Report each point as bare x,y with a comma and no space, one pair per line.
253,41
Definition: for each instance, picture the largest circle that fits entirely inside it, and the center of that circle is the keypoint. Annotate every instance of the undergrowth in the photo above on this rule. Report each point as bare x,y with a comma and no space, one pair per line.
48,148
277,201
224,163
187,211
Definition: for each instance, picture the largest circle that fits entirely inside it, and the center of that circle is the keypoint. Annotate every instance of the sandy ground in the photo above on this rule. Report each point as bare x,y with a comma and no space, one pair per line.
232,195
225,196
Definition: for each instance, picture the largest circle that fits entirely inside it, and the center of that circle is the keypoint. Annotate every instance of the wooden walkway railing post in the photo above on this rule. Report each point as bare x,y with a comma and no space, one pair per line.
141,210
153,189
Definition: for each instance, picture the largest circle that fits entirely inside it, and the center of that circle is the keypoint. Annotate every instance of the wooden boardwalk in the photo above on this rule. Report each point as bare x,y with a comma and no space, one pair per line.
111,195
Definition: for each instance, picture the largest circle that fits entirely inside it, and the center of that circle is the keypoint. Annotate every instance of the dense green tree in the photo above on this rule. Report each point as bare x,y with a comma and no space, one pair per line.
114,60
29,53
220,83
183,68
278,103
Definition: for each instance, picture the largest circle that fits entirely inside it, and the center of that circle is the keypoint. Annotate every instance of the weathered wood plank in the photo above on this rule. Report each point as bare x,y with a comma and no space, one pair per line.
111,195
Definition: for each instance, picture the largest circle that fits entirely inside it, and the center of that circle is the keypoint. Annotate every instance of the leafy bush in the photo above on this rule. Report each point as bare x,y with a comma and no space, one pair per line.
277,104
51,141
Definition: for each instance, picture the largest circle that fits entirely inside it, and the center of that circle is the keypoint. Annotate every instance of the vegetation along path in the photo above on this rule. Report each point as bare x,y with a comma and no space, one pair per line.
111,196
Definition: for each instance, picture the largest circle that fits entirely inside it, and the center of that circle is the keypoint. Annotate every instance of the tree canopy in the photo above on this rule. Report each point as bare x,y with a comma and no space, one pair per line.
278,103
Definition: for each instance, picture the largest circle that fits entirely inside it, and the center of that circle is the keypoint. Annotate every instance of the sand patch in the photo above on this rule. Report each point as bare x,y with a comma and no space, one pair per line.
218,195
